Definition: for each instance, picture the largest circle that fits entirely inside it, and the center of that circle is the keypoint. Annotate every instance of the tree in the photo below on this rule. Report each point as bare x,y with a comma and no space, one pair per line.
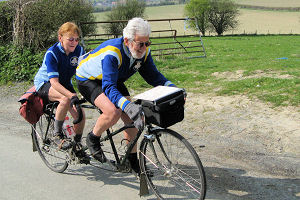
216,15
6,19
221,15
36,22
123,11
198,9
19,21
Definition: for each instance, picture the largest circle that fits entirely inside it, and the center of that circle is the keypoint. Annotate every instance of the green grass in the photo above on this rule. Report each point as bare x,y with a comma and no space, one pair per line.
243,65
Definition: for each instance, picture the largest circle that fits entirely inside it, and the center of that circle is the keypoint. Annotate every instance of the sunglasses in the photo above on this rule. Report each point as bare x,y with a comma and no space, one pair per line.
141,44
71,39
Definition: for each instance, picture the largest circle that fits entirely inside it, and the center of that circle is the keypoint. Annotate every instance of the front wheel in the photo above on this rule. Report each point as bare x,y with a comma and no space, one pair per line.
172,167
54,158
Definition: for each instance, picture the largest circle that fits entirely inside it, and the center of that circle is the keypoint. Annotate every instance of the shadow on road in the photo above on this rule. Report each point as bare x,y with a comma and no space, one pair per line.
226,183
222,183
107,177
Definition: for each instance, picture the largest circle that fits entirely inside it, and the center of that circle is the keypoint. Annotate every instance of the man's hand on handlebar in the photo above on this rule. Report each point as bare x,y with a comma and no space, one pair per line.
135,113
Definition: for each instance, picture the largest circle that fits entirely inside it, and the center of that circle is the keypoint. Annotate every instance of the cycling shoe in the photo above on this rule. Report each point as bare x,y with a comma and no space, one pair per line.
62,143
94,146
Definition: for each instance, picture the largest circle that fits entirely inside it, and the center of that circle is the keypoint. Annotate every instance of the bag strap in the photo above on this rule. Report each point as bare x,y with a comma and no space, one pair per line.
24,97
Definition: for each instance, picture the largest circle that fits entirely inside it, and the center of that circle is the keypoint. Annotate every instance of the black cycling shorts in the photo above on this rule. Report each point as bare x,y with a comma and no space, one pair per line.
91,89
44,91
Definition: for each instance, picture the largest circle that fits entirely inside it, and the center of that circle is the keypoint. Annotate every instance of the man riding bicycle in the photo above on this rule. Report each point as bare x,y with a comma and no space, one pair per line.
101,74
53,80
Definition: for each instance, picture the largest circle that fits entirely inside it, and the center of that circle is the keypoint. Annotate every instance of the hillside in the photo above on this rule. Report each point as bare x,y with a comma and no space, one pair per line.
275,22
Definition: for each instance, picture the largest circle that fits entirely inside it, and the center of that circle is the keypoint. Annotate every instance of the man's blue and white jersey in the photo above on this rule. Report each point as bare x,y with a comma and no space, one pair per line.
112,62
57,64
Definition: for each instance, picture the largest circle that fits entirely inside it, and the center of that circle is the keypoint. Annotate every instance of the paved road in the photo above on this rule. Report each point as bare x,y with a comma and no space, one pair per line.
23,175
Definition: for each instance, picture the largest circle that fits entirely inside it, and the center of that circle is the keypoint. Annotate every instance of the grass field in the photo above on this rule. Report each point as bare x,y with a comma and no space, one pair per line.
250,21
270,3
264,22
263,67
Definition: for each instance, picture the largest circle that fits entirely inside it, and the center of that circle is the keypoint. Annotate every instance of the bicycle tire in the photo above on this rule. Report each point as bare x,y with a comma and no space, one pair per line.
54,158
176,174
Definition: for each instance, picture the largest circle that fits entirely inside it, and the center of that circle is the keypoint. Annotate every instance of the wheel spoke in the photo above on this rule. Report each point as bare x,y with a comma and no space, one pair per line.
174,170
54,158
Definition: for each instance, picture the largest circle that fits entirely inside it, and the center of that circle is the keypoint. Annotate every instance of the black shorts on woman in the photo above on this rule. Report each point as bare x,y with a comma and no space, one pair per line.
91,89
43,92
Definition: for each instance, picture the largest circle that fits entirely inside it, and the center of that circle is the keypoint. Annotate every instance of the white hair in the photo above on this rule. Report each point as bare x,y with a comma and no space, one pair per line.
136,26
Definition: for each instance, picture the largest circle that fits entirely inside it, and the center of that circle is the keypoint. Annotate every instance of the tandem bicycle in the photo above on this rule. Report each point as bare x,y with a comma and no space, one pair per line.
169,164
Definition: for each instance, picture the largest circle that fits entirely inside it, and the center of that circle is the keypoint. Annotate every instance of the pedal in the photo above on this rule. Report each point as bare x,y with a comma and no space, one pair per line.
85,160
82,156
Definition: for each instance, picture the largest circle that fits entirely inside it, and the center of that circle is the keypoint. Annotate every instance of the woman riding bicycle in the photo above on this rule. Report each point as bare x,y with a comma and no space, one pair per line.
101,75
53,80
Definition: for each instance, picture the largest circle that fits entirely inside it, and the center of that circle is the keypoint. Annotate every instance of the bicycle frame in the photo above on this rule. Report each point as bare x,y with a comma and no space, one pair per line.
109,136
132,143
49,115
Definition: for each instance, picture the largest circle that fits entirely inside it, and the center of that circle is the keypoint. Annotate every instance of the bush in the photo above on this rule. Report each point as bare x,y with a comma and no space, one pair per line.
18,65
124,11
36,22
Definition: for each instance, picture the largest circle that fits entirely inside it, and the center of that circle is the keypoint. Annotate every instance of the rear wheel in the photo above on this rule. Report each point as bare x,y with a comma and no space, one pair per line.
54,158
172,167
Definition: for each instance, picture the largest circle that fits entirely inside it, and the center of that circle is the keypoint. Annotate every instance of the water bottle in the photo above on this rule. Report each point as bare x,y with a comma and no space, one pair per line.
68,127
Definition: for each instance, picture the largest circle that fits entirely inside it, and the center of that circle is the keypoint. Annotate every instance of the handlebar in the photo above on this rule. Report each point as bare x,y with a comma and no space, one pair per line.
79,111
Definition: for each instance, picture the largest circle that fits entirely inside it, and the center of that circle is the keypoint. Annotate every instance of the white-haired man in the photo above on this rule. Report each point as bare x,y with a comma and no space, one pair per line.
101,75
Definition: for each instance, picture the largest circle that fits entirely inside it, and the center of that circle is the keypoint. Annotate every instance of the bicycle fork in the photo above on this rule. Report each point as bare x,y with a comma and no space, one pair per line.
120,162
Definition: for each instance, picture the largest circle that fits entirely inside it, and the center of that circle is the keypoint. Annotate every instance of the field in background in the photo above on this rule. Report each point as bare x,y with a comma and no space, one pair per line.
250,21
270,3
265,22
159,12
264,67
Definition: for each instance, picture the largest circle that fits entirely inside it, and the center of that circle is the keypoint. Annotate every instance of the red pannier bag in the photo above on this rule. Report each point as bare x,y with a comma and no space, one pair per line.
31,108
